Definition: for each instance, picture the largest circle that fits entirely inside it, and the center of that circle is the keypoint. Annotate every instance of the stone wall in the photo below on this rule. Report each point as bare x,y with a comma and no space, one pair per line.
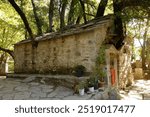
126,76
2,69
63,52
138,70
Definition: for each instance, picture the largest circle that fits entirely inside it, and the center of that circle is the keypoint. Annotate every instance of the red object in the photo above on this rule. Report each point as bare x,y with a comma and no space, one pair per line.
113,79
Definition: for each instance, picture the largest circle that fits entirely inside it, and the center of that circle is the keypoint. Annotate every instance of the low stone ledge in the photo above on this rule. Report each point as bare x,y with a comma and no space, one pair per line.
64,80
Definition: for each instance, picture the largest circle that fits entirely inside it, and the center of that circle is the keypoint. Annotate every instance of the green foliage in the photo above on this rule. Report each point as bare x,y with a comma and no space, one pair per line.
100,63
92,81
100,73
109,8
101,56
11,66
81,85
136,29
13,30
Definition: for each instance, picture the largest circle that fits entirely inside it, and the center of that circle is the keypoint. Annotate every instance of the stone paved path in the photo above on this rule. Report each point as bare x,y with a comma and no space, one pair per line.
18,89
139,91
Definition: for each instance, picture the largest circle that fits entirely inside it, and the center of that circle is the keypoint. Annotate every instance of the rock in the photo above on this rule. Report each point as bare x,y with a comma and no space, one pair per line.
22,88
6,90
52,94
105,96
38,95
29,79
8,96
43,81
76,97
55,99
138,73
34,98
63,92
47,90
98,96
22,96
35,89
138,64
46,86
11,83
1,86
113,94
34,83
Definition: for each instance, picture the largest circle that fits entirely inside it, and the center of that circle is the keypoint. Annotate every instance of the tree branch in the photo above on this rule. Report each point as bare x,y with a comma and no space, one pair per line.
10,52
38,22
83,10
51,13
62,13
23,17
101,8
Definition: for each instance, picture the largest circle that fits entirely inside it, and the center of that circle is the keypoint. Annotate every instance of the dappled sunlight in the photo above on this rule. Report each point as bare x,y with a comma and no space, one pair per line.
2,77
131,96
145,84
138,91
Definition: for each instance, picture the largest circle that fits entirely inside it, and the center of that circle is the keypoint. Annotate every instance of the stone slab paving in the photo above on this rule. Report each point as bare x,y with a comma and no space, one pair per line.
140,90
19,89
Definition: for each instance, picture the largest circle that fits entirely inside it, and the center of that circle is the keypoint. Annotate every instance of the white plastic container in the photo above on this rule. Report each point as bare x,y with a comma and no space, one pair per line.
81,92
91,89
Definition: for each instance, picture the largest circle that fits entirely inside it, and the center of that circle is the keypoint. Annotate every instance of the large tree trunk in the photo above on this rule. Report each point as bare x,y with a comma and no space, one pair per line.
51,13
78,19
101,8
23,17
118,20
71,13
118,24
144,45
62,13
25,21
38,22
10,52
83,10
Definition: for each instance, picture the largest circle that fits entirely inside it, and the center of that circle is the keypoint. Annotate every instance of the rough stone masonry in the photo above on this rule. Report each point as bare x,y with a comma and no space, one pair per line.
63,50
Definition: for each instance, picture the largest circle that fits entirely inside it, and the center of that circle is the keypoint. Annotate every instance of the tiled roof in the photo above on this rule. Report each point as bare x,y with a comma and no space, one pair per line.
73,29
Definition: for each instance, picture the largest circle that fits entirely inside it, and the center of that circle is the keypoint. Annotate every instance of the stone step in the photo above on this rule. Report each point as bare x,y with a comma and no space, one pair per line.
64,80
